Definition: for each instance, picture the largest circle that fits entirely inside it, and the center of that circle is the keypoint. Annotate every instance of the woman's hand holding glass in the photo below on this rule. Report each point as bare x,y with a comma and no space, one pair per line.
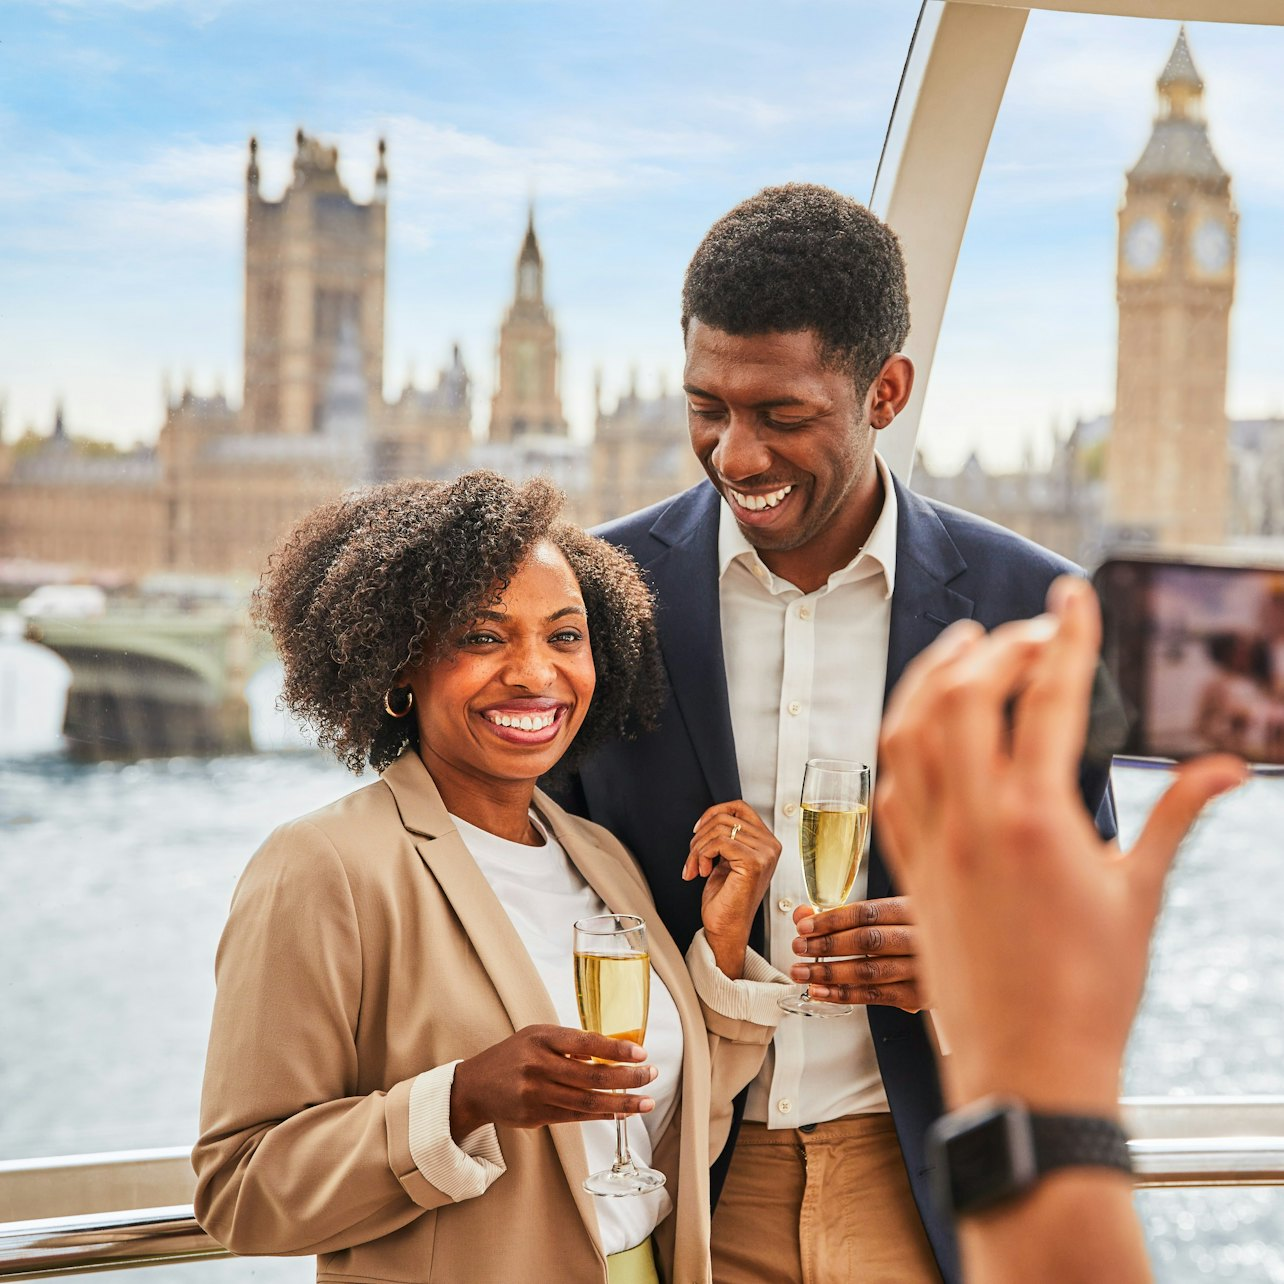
735,853
545,1074
613,993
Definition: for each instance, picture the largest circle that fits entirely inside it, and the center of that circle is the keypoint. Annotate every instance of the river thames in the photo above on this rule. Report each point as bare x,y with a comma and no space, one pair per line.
117,878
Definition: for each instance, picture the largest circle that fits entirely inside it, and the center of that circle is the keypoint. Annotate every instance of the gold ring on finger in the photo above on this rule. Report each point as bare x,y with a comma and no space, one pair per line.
735,829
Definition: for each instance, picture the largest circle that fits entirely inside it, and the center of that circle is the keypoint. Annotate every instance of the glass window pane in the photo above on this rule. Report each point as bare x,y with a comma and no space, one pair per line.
227,1270
1198,1235
1124,247
1108,375
1057,290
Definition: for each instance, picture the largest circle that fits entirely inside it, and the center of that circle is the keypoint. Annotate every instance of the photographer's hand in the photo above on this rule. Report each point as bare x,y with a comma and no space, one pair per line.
1033,933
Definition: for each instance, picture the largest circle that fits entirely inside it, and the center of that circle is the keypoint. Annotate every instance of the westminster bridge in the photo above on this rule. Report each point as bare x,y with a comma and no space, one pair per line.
156,681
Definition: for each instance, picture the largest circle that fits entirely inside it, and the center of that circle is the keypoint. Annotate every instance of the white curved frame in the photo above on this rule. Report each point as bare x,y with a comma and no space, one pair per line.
954,81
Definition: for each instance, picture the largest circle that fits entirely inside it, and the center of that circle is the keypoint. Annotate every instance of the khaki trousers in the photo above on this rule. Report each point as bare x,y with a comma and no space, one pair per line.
827,1206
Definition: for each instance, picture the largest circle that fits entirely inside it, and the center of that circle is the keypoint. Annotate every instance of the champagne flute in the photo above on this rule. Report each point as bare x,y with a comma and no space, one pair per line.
612,991
833,823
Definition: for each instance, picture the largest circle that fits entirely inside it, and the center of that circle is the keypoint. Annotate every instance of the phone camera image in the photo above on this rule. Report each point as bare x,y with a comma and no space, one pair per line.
1197,653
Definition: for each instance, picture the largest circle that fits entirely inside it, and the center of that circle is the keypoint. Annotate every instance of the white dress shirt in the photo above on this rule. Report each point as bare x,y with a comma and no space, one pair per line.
805,677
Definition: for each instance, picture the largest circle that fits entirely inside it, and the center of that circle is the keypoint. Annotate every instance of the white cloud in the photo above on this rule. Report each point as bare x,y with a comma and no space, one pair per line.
1082,96
174,199
460,175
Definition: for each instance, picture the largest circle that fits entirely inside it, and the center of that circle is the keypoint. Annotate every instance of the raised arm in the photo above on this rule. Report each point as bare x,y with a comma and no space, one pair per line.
1034,933
736,853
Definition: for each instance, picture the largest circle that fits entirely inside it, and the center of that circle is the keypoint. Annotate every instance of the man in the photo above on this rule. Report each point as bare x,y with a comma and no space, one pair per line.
794,586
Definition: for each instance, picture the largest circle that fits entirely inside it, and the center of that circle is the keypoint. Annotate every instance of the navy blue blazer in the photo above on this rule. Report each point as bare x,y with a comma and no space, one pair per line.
950,566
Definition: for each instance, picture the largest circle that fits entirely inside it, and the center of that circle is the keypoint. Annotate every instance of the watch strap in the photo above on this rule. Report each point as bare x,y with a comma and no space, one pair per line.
997,1149
1062,1141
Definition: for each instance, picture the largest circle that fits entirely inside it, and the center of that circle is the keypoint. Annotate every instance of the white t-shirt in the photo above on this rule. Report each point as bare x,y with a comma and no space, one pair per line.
544,894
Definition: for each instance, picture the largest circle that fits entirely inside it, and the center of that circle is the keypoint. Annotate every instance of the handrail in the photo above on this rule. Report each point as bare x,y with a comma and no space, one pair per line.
112,1181
56,1246
1205,1141
1177,1142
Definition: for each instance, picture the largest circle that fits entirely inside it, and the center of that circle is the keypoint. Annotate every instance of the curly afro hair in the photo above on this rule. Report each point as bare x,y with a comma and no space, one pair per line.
383,578
804,257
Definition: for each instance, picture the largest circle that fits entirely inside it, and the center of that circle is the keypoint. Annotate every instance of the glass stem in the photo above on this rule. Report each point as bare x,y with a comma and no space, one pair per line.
806,994
623,1159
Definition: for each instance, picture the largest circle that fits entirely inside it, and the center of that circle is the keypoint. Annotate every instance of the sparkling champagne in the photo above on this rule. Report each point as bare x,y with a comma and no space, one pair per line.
831,840
613,992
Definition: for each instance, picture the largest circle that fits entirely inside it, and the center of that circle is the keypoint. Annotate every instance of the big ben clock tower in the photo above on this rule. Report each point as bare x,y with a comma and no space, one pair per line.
1168,470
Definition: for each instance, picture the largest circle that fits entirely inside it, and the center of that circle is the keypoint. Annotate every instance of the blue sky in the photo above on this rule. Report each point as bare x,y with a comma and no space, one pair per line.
123,128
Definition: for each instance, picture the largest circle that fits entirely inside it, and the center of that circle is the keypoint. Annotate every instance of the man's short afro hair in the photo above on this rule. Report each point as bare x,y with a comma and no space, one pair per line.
804,257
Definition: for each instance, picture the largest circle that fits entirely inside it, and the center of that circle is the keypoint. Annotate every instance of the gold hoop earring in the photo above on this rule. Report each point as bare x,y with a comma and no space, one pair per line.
410,703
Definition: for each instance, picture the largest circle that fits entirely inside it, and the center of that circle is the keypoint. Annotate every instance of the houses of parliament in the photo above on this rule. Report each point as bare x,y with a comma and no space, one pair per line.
223,484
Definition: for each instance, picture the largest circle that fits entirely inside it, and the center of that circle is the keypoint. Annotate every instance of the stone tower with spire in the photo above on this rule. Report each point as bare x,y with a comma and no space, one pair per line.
1167,468
314,264
526,399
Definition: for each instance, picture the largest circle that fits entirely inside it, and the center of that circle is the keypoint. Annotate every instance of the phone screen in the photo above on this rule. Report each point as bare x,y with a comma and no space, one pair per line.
1197,653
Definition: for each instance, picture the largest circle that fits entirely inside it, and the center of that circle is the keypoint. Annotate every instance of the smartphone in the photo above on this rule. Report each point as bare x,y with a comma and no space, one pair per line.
1196,654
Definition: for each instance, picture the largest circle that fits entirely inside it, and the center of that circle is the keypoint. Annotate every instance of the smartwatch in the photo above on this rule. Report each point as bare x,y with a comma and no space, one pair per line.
996,1149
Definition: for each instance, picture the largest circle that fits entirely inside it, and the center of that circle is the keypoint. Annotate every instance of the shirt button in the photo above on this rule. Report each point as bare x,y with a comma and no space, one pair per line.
785,904
784,1105
804,612
790,808
795,708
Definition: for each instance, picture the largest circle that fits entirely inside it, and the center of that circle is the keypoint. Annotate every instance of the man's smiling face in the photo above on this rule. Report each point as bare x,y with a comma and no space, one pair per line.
783,436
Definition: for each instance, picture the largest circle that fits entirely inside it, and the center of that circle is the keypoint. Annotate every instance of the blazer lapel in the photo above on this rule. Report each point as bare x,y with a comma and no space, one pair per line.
685,576
491,931
923,604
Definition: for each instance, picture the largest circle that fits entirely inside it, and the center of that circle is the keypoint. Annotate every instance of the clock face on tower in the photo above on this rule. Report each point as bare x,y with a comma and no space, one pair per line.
1211,245
1143,244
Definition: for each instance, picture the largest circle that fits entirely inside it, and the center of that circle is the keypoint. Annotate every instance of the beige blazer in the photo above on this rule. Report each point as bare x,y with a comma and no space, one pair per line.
363,947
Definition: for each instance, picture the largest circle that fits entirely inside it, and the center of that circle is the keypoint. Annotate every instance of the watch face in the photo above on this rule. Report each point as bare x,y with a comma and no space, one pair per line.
985,1154
1143,243
1211,245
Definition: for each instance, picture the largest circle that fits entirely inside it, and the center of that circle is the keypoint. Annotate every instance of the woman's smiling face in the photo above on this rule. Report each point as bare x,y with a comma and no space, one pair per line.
506,698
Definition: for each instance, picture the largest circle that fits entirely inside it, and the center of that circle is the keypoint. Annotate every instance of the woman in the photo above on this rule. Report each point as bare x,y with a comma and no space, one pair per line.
395,1065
